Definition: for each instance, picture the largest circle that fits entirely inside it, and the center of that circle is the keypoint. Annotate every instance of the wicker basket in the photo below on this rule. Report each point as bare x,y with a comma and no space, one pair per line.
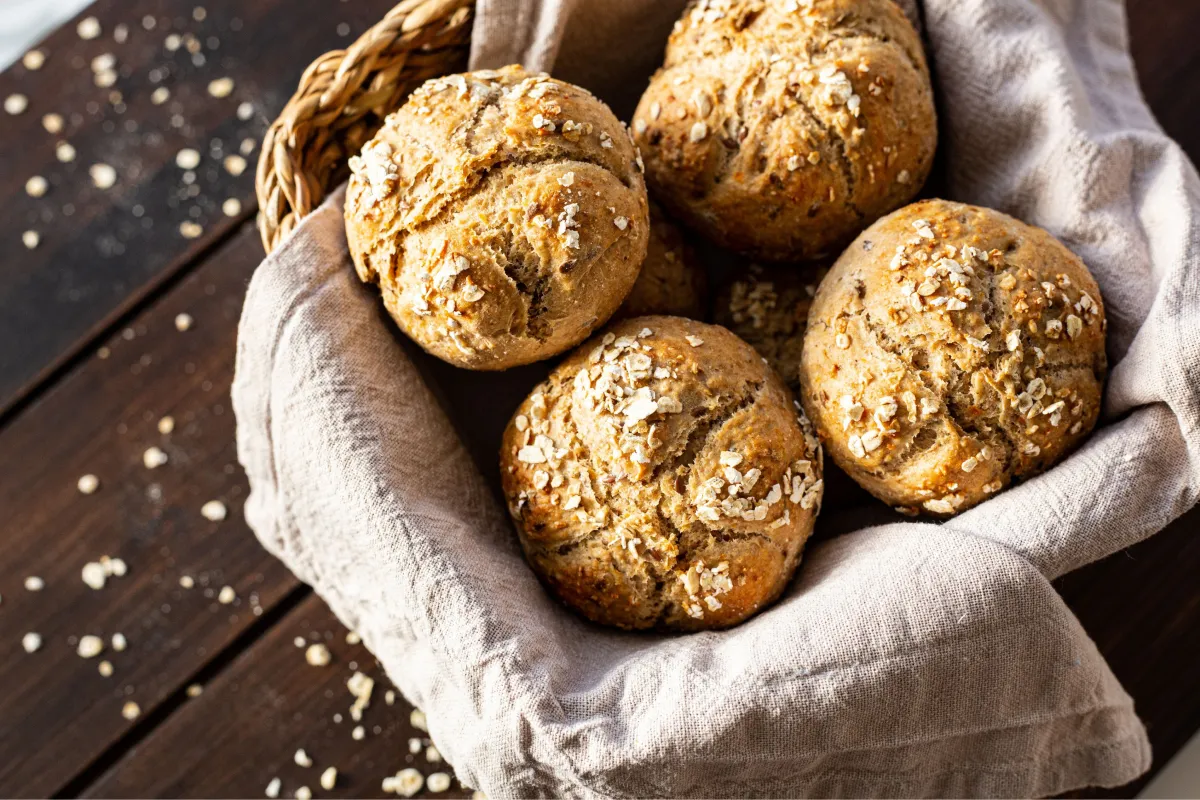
341,101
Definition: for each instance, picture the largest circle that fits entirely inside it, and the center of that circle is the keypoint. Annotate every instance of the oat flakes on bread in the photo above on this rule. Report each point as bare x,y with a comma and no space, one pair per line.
672,280
782,128
662,477
951,350
501,213
768,308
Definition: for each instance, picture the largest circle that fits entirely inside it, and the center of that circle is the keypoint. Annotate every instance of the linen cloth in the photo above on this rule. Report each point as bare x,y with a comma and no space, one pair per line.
907,658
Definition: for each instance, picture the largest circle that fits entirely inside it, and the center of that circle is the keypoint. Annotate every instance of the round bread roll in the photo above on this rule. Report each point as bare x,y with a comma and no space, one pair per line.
663,477
672,280
781,128
950,350
502,215
768,309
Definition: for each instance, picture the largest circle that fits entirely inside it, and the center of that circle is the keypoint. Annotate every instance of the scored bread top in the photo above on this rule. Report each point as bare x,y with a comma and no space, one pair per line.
951,349
782,127
663,476
502,214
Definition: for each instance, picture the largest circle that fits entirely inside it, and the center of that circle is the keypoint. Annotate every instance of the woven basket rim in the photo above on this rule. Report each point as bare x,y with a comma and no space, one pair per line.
342,98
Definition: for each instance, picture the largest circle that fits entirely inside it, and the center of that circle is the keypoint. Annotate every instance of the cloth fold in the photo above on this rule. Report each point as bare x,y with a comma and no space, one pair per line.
907,658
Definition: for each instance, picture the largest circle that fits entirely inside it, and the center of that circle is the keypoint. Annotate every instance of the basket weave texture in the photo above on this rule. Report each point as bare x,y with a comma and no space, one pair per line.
341,101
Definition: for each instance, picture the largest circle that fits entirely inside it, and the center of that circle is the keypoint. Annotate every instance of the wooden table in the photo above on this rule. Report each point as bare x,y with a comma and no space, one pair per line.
94,353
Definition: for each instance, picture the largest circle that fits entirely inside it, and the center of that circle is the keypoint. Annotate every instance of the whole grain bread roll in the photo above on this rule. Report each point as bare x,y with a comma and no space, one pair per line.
672,280
951,350
768,308
662,477
502,214
781,128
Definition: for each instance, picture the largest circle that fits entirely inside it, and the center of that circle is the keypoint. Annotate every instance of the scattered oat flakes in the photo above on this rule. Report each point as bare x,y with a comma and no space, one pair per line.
90,646
88,484
318,655
119,642
234,164
53,123
414,745
88,28
131,711
221,87
247,146
103,176
405,783
31,239
352,637
195,690
245,111
94,575
16,104
272,790
187,158
389,697
33,60
438,782
226,596
34,584
329,778
105,668
160,95
183,321
231,207
302,758
64,152
32,642
418,721
36,186
432,755
213,511
359,733
187,581
190,230
304,793
166,425
154,457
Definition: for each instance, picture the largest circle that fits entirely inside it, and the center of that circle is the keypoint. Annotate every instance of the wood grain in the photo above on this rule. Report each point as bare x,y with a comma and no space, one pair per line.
102,251
269,702
57,714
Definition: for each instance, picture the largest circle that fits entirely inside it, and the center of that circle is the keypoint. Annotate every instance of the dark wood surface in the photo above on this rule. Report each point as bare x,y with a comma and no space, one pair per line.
91,360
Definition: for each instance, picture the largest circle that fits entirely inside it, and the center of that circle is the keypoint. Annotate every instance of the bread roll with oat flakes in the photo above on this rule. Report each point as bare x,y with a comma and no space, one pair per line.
502,215
951,350
662,477
672,280
781,128
768,308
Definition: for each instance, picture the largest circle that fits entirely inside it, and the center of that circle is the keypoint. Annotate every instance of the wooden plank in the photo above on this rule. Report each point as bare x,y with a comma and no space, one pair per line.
269,702
1162,37
103,250
57,713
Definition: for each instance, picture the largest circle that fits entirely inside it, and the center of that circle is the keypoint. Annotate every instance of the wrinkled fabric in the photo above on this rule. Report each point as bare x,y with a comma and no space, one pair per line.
906,658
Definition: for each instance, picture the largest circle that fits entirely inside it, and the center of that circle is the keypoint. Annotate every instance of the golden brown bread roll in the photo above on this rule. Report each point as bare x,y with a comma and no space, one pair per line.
768,309
781,128
502,215
662,477
672,280
951,350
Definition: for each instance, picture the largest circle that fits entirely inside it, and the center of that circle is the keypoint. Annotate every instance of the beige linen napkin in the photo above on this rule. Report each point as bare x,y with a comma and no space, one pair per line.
907,659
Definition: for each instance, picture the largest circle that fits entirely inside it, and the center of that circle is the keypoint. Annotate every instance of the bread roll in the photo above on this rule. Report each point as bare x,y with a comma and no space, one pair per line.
781,128
502,214
951,350
672,280
662,477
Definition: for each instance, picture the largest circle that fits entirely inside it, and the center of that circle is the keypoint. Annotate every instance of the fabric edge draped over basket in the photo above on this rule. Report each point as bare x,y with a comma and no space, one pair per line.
907,659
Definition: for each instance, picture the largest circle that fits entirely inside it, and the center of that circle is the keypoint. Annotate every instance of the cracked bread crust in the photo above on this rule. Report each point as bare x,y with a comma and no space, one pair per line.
951,350
502,214
768,308
672,280
781,128
662,477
